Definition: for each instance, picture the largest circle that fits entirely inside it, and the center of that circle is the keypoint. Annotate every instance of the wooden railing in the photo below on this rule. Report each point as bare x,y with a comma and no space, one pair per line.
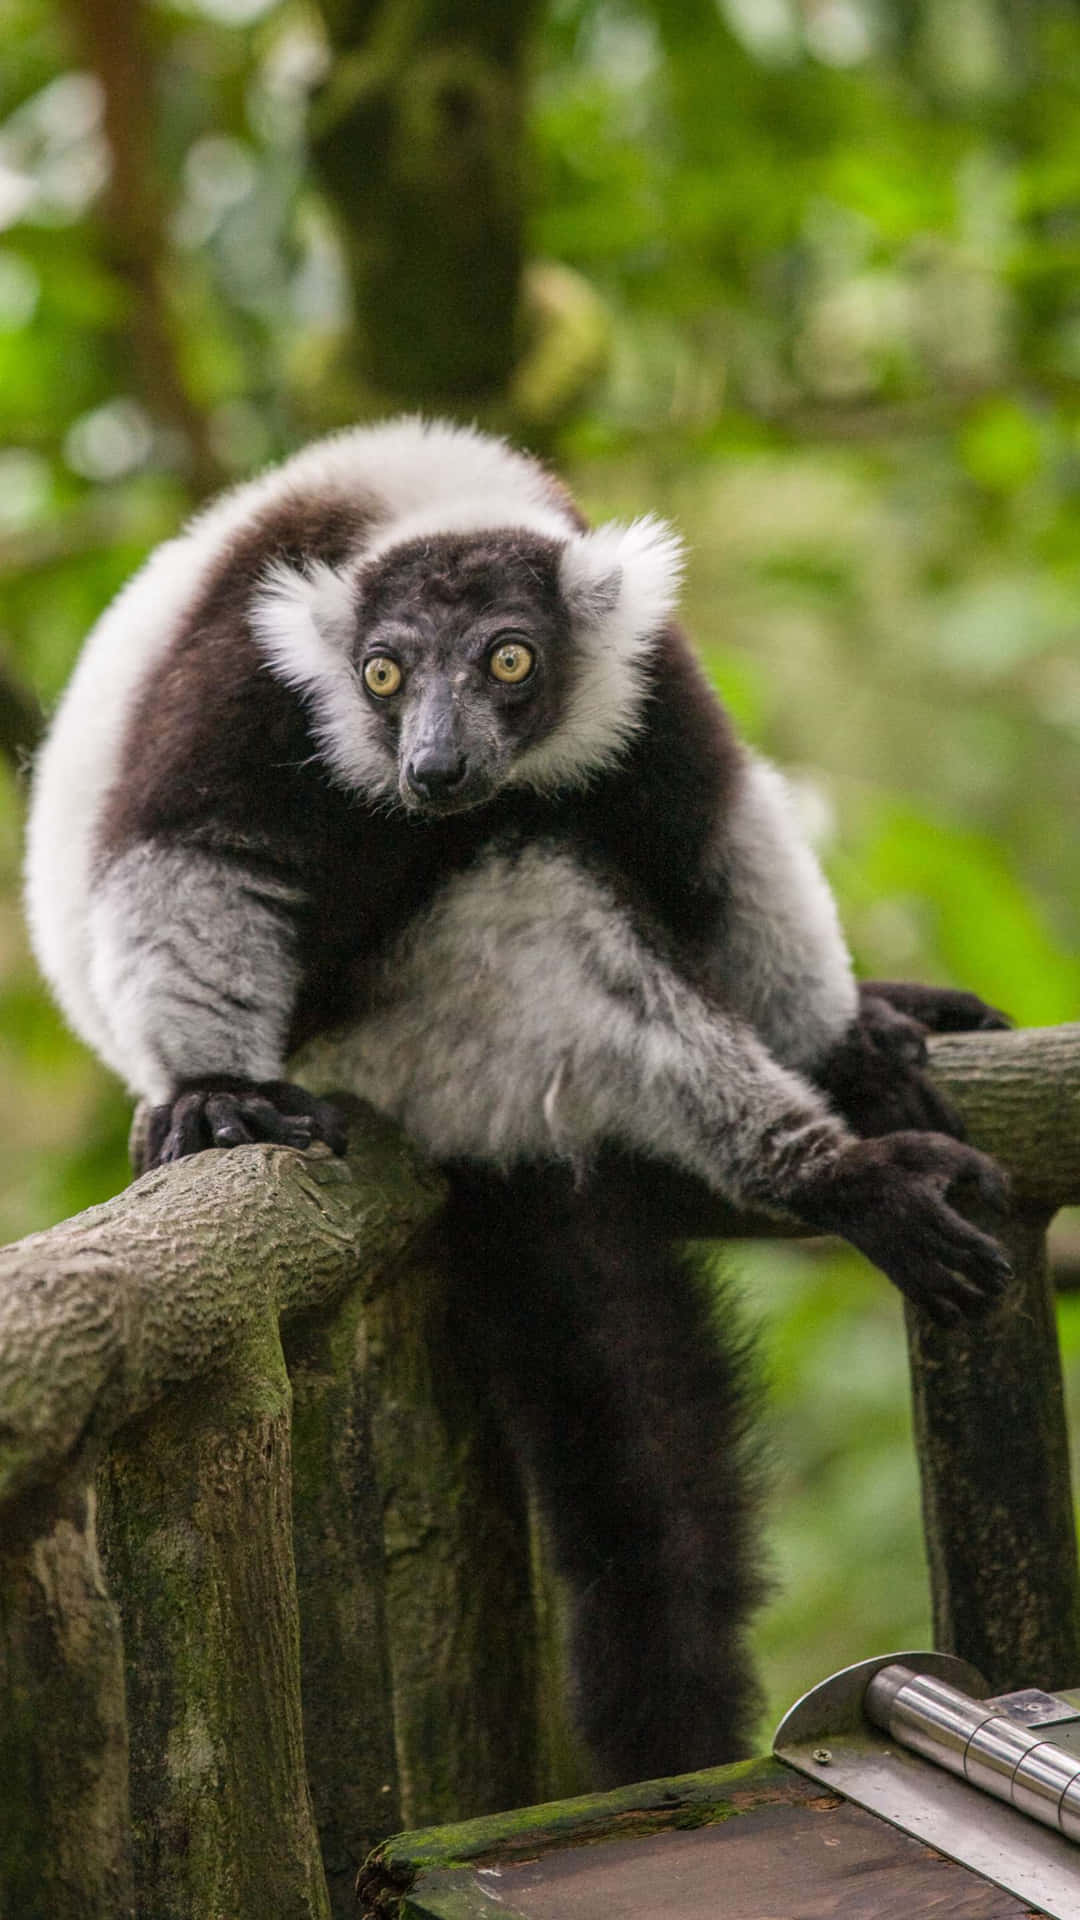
268,1583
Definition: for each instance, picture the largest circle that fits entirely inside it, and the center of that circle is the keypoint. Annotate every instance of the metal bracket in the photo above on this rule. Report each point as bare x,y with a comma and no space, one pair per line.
828,1736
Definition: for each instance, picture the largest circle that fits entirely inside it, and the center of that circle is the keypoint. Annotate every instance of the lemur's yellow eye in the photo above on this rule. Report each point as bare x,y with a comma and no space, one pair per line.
382,675
511,662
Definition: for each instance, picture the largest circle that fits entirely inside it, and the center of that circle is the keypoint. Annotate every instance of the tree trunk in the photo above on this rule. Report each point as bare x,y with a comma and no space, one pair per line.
420,144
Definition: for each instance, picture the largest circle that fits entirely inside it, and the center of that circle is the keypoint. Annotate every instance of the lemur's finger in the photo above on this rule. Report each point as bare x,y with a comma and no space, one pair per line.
938,1009
267,1122
158,1123
980,1181
188,1132
225,1120
331,1125
922,1106
894,1032
328,1122
957,1012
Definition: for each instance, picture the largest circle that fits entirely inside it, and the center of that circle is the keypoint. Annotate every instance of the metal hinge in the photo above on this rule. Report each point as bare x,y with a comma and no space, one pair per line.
993,1782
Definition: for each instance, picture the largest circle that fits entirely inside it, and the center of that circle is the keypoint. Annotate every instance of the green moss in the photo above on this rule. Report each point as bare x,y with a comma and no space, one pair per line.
693,1799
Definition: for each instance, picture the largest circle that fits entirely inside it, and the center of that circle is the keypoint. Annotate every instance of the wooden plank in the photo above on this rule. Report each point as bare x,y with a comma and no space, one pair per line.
822,1861
688,1799
825,1860
750,1842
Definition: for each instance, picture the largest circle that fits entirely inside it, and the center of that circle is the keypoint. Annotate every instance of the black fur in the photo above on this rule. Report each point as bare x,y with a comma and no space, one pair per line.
628,1390
876,1077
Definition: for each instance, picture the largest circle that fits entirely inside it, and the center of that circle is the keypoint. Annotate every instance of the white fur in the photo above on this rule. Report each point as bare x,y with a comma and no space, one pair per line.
621,584
485,511
784,965
304,623
526,959
623,581
189,973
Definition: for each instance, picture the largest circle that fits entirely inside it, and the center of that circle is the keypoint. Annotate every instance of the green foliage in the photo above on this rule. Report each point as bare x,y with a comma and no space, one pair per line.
837,250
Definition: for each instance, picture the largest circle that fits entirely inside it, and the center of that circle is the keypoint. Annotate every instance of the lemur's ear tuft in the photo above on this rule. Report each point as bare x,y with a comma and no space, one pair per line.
303,621
305,626
620,586
627,577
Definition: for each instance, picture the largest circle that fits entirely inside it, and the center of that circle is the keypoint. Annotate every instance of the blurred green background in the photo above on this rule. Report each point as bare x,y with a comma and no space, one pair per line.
802,274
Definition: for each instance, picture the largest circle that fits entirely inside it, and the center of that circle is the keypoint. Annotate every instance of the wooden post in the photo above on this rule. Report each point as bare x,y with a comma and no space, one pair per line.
994,1462
337,1514
64,1845
198,1544
418,1629
462,1630
988,1399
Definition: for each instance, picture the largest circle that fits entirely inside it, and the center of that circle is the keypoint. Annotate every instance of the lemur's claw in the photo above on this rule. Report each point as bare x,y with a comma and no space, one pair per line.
229,1112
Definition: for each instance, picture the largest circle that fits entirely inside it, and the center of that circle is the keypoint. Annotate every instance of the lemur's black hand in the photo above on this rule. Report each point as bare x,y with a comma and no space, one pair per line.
897,1200
937,1009
228,1112
876,1077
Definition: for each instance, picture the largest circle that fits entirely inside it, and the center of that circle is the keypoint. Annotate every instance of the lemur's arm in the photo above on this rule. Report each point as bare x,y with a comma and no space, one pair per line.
194,965
523,1016
784,964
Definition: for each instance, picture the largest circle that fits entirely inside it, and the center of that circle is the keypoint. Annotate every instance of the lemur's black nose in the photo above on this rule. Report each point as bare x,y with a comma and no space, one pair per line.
433,772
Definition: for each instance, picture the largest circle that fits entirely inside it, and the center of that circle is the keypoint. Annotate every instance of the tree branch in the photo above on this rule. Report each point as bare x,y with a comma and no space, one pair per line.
101,1315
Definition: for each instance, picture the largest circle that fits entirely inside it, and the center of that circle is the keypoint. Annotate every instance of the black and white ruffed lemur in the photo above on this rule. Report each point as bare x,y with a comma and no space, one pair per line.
389,740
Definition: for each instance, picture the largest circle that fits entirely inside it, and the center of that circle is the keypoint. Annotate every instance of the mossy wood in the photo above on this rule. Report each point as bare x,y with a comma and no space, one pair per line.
990,1426
205,1710
755,1837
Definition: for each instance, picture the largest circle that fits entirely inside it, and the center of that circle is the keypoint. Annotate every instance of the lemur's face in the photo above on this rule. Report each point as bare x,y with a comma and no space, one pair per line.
464,661
451,665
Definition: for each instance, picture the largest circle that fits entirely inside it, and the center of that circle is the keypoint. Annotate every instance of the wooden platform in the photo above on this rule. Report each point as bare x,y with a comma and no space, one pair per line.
750,1842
